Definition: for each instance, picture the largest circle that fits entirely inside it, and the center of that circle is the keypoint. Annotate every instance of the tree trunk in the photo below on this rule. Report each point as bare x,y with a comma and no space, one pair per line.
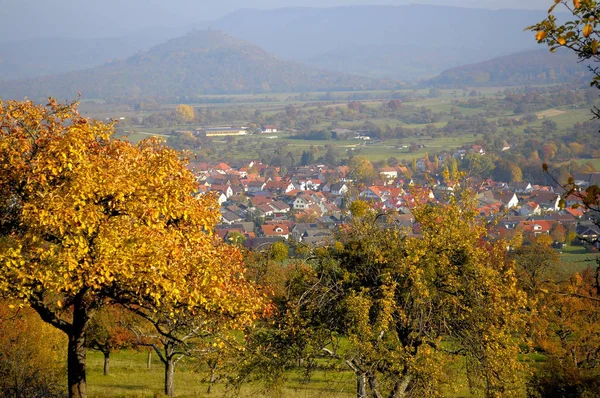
169,374
361,385
374,385
149,360
211,381
401,387
106,362
76,362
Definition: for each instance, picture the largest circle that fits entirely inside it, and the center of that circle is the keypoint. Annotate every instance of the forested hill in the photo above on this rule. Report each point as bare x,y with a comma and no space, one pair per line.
402,42
527,67
202,62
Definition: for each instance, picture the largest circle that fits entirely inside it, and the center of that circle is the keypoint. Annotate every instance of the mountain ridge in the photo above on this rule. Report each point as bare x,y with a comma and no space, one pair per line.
202,62
520,68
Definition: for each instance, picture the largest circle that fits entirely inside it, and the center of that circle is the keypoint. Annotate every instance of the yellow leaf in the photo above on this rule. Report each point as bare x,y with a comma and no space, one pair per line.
576,3
561,40
541,35
587,30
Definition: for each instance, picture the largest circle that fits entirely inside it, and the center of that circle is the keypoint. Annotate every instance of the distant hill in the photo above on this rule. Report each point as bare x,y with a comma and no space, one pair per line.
522,68
401,42
202,62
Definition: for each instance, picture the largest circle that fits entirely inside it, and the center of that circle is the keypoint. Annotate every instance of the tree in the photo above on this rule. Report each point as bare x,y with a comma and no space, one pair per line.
407,306
476,165
184,113
31,354
108,331
362,170
86,220
279,251
558,233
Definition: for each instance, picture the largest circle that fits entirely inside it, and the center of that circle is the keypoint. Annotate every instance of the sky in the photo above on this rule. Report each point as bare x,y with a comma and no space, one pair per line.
26,19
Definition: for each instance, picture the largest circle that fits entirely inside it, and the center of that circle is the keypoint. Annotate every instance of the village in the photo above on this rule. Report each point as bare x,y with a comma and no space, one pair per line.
307,204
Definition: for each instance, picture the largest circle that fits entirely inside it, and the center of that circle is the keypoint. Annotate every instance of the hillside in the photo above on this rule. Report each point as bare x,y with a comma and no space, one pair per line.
527,67
202,62
407,43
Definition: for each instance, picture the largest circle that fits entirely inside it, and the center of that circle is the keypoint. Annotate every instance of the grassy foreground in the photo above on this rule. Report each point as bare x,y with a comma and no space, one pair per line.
130,378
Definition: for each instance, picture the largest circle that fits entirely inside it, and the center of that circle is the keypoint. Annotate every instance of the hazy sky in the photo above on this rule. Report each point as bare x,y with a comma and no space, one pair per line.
24,19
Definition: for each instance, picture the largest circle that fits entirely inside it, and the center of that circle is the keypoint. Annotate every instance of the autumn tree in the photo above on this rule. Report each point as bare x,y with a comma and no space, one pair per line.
362,170
184,113
570,333
407,306
229,303
563,323
31,354
108,331
86,220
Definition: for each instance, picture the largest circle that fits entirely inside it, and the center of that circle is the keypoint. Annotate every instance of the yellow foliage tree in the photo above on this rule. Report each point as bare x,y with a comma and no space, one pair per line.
408,306
184,113
86,219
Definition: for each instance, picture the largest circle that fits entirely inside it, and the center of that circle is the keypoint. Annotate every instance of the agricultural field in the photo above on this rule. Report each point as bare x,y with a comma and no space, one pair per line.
316,112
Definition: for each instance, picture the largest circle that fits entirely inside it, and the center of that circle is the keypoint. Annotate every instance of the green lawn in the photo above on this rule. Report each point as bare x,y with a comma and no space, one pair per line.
575,258
130,378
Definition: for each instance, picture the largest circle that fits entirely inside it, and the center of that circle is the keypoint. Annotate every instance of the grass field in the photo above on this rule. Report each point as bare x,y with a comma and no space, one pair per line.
130,378
447,103
575,258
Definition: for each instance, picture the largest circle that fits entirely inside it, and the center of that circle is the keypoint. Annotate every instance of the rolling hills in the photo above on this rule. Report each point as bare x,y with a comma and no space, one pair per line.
202,62
522,68
408,42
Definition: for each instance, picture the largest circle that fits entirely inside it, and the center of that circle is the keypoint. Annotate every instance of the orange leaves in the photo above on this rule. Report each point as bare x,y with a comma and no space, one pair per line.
587,30
541,35
97,212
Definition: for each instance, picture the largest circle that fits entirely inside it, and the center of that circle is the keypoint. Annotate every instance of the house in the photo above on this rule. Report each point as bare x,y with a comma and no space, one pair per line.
536,227
478,149
459,154
337,189
229,217
255,186
265,209
584,180
388,173
549,201
302,201
279,187
588,233
530,209
275,230
223,131
280,207
225,189
519,187
299,230
372,193
509,199
269,129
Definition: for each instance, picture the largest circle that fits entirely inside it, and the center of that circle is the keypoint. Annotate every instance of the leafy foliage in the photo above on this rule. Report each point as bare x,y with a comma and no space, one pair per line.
406,306
30,354
87,219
